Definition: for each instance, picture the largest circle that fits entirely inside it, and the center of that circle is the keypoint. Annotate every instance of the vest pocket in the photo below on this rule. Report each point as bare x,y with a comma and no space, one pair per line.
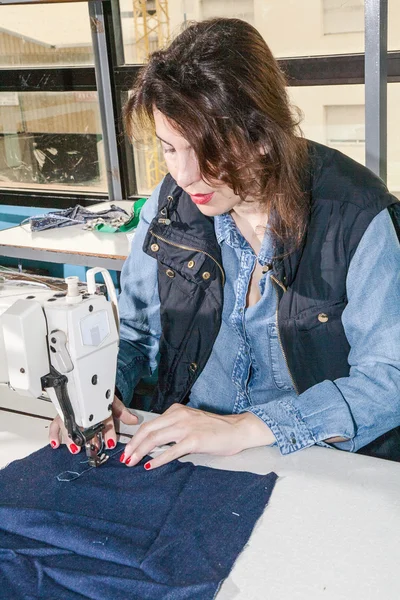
173,281
319,346
189,274
279,370
323,315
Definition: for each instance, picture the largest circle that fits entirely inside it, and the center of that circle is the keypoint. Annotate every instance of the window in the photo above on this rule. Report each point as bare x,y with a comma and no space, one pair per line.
393,25
333,115
345,125
150,166
290,27
50,133
241,9
145,31
51,140
33,35
393,180
343,16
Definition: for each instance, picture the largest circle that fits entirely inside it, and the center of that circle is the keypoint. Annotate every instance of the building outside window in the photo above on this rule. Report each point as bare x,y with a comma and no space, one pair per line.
48,34
343,16
345,129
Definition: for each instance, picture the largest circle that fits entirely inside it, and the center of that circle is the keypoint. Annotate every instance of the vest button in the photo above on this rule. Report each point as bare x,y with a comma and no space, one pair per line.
206,275
170,273
190,264
323,318
155,247
193,367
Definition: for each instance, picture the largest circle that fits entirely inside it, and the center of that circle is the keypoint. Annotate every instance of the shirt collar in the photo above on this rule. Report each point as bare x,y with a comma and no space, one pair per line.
227,231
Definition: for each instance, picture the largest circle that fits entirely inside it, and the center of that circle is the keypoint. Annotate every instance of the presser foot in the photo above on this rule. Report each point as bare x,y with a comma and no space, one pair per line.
94,451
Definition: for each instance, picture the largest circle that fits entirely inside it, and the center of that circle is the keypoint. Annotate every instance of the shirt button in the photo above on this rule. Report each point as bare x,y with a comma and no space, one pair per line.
191,264
206,275
193,367
323,318
293,440
155,247
170,273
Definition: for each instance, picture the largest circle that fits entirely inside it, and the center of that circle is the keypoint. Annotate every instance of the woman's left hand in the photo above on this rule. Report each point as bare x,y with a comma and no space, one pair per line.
195,431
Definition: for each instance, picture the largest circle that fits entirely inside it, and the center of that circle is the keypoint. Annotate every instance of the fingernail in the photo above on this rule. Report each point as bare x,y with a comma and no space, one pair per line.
53,443
122,458
128,460
74,448
110,443
147,466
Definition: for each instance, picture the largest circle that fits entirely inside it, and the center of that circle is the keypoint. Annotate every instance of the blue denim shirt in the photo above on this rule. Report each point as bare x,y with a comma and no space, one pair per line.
247,371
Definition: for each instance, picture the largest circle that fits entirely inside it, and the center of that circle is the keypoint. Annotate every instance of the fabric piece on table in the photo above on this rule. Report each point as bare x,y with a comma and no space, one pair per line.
127,226
116,532
76,215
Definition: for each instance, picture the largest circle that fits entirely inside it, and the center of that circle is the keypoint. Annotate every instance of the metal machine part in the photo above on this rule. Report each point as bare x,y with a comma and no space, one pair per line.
94,451
91,437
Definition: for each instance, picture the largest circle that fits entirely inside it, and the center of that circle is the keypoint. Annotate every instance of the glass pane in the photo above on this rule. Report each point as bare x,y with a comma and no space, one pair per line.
45,35
333,115
51,140
145,31
393,25
150,167
290,27
393,139
147,158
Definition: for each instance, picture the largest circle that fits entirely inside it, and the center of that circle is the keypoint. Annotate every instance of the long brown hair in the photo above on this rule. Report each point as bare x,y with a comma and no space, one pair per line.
223,91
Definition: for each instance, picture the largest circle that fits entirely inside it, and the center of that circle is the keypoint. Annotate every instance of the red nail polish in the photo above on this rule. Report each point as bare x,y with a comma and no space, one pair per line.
74,448
128,460
53,444
110,444
122,458
147,466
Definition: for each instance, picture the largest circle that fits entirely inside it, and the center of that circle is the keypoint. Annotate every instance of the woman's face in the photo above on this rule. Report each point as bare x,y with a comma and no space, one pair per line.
211,198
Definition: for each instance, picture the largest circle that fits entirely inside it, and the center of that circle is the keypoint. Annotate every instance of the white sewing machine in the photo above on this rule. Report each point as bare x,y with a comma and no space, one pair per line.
64,344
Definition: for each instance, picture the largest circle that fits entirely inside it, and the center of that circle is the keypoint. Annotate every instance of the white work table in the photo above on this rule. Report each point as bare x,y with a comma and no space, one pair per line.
72,245
331,530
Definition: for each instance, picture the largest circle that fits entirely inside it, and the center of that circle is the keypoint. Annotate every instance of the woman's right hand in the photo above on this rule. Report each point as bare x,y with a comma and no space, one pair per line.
58,434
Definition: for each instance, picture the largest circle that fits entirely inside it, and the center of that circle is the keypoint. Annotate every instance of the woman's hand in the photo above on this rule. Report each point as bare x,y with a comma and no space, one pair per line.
58,434
195,431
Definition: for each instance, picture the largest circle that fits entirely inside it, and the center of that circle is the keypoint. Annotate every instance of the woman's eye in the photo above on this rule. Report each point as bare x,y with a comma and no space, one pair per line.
168,150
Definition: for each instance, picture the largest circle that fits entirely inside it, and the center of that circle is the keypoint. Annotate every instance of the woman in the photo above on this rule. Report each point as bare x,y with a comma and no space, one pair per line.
263,278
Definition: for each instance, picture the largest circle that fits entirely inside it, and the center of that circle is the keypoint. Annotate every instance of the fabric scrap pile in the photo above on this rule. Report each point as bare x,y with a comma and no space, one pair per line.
111,220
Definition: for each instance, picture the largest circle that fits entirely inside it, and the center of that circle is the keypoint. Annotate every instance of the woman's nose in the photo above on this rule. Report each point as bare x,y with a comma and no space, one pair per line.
188,173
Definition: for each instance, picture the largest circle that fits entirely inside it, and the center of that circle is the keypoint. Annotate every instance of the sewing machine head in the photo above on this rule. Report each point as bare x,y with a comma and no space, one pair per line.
65,344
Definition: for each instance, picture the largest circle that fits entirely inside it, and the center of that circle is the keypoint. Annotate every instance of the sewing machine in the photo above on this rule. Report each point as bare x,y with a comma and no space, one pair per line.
63,346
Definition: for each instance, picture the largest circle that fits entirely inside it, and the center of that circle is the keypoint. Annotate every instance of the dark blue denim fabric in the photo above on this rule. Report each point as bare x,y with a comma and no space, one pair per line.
75,215
122,533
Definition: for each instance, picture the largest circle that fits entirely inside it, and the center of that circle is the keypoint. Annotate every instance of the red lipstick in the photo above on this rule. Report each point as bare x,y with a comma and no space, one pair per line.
201,198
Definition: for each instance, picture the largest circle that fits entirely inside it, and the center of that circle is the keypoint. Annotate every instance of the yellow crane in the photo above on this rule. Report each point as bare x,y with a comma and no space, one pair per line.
152,31
151,23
